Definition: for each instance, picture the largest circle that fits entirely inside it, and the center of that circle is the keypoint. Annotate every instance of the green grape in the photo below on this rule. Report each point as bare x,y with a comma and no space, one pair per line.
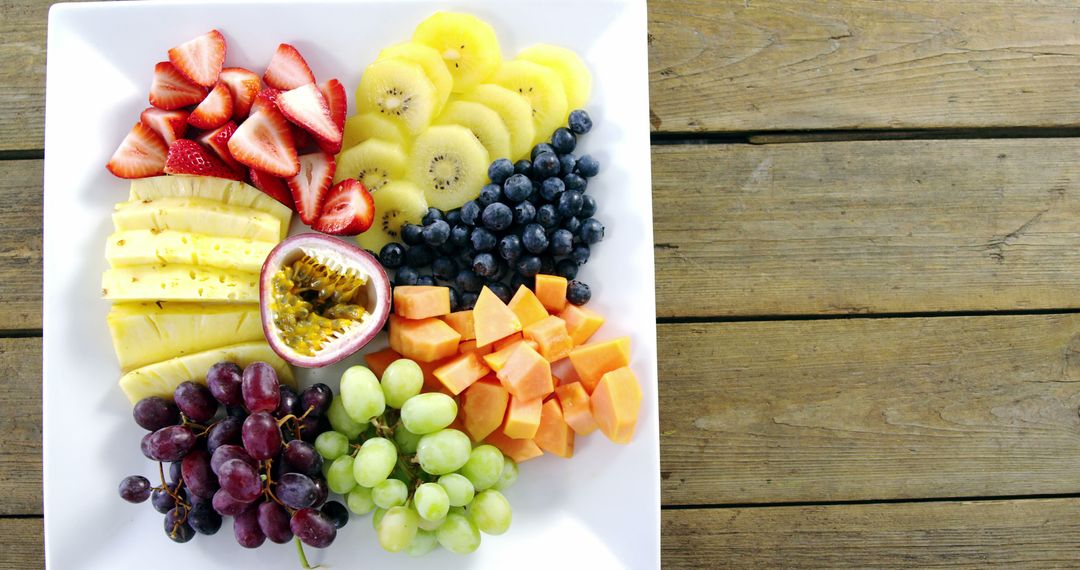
431,501
331,445
458,534
340,476
375,461
390,493
341,422
402,380
397,529
325,468
406,440
509,475
430,525
459,490
444,451
361,394
484,467
428,413
423,543
377,518
359,500
491,512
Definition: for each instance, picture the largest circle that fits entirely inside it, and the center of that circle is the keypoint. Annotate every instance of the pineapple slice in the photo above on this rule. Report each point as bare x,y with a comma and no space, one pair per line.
147,247
144,333
198,215
179,283
162,378
229,192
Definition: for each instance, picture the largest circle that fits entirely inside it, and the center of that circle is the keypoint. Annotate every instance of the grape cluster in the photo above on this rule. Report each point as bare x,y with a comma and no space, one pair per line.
393,453
240,446
534,217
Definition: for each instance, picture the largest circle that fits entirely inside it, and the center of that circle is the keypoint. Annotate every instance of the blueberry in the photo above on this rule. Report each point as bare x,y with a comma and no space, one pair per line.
455,299
573,223
563,141
575,182
482,239
468,301
412,234
501,291
517,280
517,188
392,255
562,241
566,268
523,167
528,266
500,170
567,163
579,121
570,203
459,236
534,239
470,211
545,165
468,281
484,265
587,166
539,149
444,269
465,256
592,231
524,213
489,194
447,248
497,217
580,254
588,206
510,247
432,215
547,216
426,280
551,188
453,217
578,293
437,232
419,256
501,270
406,276
547,264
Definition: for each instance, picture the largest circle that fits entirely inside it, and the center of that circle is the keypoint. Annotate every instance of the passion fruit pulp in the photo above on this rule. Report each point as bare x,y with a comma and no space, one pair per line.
321,299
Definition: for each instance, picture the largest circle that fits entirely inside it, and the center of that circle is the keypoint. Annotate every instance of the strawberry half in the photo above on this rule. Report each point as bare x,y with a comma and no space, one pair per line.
304,142
272,186
189,157
334,93
215,110
142,153
170,90
243,85
217,140
170,125
264,142
310,184
348,211
267,98
200,59
306,107
287,69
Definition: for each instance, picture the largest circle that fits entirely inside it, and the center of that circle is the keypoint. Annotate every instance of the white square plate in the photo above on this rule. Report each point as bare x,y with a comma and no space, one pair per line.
599,509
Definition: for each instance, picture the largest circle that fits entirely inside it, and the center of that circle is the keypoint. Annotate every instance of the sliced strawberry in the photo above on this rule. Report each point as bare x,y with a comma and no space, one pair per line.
200,59
215,110
170,125
264,142
267,98
171,90
334,93
304,141
306,107
348,211
272,186
189,157
217,141
142,153
287,69
243,85
310,184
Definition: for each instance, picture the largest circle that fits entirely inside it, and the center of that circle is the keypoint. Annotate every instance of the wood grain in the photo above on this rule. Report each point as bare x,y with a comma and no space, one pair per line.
22,73
991,534
20,243
866,227
869,409
22,544
755,65
20,422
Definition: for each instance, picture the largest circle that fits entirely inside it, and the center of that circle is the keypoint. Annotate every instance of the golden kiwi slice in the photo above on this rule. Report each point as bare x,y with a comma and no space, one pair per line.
449,165
486,125
542,88
396,203
399,90
373,162
467,44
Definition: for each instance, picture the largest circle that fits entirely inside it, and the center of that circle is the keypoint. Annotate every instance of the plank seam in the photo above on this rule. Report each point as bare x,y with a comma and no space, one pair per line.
838,135
694,320
855,502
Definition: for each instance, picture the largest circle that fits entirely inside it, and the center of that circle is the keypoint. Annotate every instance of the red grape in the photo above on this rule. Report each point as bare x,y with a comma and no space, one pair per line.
296,491
135,489
203,519
170,443
155,413
303,458
226,504
198,476
336,512
246,529
238,479
288,403
226,452
196,401
317,398
260,388
313,528
223,380
261,436
274,522
176,525
226,431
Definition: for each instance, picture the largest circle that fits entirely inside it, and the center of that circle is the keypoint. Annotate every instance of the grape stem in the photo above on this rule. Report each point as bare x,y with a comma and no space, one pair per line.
303,557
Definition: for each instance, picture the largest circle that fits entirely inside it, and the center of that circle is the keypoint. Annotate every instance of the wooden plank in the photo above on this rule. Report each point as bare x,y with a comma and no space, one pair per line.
20,422
22,544
999,534
755,65
869,409
867,227
20,243
22,73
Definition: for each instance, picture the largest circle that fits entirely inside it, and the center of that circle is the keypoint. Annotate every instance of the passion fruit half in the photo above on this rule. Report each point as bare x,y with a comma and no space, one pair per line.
321,299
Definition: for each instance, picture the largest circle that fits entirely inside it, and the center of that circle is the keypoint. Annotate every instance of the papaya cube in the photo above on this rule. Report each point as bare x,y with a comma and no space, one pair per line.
591,361
526,374
505,342
462,322
554,435
581,323
497,359
527,306
550,335
378,361
551,290
470,346
492,319
423,340
615,404
576,410
460,372
520,450
431,383
483,407
421,301
522,418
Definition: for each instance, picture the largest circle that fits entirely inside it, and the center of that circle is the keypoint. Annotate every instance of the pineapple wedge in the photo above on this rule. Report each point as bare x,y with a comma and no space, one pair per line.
147,247
162,378
197,215
179,283
229,192
144,333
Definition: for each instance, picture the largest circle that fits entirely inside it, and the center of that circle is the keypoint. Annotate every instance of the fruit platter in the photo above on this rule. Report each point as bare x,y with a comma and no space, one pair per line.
349,284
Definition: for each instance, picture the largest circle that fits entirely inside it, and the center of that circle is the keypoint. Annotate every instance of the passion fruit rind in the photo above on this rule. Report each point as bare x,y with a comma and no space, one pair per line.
321,299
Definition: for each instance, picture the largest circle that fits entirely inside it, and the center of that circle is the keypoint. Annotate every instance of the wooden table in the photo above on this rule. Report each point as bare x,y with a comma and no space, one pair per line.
868,281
